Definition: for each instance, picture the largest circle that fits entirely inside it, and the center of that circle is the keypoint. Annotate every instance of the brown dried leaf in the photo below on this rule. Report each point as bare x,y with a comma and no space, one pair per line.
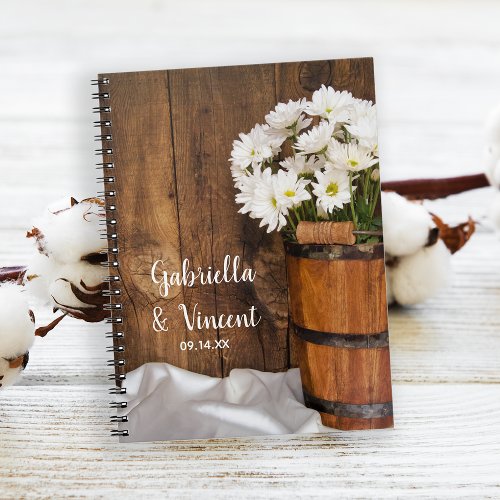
16,362
96,299
43,330
95,258
39,238
454,237
97,201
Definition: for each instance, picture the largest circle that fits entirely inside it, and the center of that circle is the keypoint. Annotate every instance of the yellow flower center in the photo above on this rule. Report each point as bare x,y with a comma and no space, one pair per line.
332,189
274,202
353,163
290,193
328,110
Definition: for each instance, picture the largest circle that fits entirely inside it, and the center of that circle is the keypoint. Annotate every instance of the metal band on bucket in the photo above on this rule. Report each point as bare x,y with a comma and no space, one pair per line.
342,340
373,251
374,410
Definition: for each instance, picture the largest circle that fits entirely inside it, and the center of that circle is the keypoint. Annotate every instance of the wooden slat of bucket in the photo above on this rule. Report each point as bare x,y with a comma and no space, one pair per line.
347,376
337,294
340,295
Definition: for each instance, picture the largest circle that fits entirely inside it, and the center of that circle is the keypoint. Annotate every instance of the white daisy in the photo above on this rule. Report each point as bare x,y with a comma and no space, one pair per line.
351,157
302,123
246,185
237,172
301,164
359,108
363,124
315,140
275,138
288,118
265,205
289,190
252,148
332,189
321,212
330,104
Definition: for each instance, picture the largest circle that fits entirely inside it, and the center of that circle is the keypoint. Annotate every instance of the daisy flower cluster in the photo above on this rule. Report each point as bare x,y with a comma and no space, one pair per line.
312,160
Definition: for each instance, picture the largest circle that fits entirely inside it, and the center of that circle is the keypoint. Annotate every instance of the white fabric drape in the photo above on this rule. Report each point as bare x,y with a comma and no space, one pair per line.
166,402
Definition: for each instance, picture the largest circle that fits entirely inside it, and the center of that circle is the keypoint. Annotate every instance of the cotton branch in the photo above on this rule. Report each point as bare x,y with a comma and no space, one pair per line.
13,273
433,189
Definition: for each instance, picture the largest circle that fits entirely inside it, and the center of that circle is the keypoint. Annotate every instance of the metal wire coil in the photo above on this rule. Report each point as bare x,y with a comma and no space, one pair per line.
108,195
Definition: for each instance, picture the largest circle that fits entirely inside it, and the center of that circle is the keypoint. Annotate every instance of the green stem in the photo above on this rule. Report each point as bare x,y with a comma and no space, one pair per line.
376,194
312,206
297,214
303,211
353,212
365,186
313,210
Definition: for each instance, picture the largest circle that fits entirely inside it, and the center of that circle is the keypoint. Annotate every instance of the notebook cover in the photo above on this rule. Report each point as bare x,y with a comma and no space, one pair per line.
172,134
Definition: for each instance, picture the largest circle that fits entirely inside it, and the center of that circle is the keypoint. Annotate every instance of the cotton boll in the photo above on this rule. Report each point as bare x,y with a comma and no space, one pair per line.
16,323
406,225
17,332
495,211
495,175
388,285
90,274
38,277
416,278
44,270
50,282
63,296
76,289
492,127
70,234
492,150
492,165
78,274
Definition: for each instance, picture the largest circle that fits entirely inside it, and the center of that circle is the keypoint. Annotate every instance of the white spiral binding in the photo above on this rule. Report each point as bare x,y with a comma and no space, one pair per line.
109,233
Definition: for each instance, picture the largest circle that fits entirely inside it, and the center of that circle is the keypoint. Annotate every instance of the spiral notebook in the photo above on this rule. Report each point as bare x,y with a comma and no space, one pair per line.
202,340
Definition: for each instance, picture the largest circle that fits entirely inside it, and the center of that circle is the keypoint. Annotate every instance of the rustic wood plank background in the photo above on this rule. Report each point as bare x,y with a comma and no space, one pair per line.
172,137
437,75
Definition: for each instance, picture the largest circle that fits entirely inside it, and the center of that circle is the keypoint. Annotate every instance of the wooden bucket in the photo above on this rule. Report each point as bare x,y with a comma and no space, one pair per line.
338,309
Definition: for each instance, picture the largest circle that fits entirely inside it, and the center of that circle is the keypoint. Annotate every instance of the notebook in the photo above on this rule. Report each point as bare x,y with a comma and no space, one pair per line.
207,173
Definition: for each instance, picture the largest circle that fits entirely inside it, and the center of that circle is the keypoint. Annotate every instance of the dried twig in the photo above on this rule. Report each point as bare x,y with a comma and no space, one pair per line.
432,189
12,273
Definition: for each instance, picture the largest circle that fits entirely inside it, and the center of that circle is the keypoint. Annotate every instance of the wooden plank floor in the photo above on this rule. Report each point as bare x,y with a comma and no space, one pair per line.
438,74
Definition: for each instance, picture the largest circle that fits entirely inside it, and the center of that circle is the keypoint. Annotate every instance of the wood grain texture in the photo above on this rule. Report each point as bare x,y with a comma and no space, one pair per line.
347,376
301,79
444,354
342,295
338,296
235,110
172,134
146,212
193,161
439,448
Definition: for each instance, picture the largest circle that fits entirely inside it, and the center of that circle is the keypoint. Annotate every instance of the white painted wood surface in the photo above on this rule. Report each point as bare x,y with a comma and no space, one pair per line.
438,74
